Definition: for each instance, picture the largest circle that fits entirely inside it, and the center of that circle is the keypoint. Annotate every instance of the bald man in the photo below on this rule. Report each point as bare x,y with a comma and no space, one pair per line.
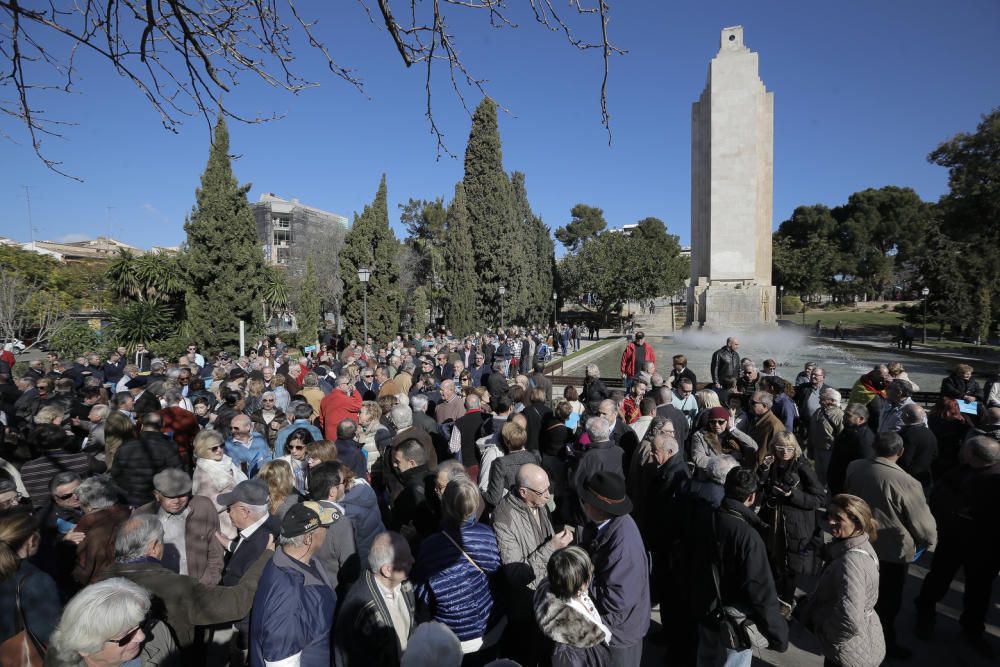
451,406
527,541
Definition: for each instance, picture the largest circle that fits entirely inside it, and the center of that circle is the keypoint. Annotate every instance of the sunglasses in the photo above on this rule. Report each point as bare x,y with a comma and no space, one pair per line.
126,639
297,448
66,496
717,421
215,449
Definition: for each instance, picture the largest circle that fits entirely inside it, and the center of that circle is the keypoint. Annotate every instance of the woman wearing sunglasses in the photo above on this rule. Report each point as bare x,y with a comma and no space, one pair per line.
215,473
108,624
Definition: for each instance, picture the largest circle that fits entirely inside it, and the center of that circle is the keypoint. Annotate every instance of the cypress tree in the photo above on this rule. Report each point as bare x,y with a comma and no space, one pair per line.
460,269
537,258
489,204
308,313
371,243
224,262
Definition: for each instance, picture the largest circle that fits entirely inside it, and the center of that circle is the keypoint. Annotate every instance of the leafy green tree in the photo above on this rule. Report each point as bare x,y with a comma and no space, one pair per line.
658,260
460,271
371,243
308,310
587,222
225,274
594,275
971,209
425,223
490,205
31,303
75,339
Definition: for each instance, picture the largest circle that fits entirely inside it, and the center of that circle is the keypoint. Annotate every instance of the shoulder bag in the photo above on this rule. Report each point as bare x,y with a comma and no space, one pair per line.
23,649
736,630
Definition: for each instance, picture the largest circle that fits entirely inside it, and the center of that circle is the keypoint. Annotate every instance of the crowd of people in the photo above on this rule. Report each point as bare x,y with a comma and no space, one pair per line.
435,502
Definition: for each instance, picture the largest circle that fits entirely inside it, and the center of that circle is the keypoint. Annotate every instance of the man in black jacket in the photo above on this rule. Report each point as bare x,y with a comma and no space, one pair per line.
920,446
728,539
412,514
856,441
726,362
138,461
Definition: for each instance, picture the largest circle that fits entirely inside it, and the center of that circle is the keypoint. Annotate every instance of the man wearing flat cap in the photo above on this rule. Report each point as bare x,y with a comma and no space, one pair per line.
292,611
620,587
189,527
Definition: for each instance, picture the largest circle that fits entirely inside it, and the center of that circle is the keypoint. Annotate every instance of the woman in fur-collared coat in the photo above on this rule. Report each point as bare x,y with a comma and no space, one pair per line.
567,617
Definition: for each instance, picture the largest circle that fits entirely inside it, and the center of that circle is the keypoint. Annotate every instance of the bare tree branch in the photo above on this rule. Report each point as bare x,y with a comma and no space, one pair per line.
184,55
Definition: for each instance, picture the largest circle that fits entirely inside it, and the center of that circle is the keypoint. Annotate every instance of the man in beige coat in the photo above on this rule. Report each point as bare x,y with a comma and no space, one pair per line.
905,525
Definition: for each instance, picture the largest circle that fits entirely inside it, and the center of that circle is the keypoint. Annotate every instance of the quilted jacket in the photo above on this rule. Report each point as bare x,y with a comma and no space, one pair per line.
841,612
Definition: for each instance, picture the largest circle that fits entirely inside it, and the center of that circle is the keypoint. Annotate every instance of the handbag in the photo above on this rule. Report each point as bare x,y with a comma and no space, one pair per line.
23,649
736,630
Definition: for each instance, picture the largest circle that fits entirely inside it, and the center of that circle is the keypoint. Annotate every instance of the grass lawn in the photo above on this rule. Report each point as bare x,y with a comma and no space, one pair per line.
852,319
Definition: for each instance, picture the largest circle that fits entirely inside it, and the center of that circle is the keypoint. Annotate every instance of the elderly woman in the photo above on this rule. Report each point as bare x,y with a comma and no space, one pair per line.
594,389
719,437
373,435
94,534
455,570
789,496
320,451
897,372
268,419
215,473
280,488
108,624
824,427
841,611
39,596
567,616
360,503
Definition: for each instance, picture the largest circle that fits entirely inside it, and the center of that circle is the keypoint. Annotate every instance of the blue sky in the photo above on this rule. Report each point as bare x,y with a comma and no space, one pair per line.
863,92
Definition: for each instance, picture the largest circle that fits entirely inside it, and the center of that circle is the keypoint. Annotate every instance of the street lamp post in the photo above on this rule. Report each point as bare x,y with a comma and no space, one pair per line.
555,309
364,273
501,292
781,298
924,292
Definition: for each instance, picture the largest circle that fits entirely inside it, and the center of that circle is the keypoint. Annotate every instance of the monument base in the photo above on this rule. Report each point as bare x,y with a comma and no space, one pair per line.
725,305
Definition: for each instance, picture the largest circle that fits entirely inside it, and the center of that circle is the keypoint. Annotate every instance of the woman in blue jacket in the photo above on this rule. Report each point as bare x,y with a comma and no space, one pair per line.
455,574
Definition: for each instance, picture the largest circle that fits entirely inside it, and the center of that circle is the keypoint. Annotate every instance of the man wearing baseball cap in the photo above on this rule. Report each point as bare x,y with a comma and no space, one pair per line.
620,588
293,609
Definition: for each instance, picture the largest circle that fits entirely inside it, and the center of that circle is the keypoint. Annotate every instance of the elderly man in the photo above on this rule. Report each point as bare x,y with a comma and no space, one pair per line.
189,527
469,428
784,407
905,526
601,455
376,618
725,362
825,425
620,587
856,441
450,408
920,446
293,609
186,602
247,448
897,396
526,540
340,404
807,397
764,425
302,413
684,401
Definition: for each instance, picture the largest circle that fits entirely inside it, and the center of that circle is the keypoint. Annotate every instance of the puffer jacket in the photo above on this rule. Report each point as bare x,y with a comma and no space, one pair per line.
361,505
454,591
841,612
138,461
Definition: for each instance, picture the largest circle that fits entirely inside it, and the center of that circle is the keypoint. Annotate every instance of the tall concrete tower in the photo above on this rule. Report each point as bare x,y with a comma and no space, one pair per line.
732,171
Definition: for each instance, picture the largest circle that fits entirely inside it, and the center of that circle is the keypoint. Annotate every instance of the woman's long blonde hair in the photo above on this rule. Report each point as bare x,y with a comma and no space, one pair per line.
280,483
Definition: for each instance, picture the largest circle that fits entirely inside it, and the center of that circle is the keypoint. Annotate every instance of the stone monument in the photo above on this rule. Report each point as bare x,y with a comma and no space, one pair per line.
732,159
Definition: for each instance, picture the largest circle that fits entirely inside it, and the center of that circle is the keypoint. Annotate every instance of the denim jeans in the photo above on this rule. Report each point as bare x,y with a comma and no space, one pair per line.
711,652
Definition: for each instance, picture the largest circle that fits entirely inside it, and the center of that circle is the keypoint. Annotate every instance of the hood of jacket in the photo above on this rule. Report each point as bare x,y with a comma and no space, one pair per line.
562,623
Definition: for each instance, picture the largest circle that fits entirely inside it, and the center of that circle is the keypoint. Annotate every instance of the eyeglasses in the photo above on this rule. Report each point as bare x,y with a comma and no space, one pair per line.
297,448
756,403
717,421
267,400
540,494
784,449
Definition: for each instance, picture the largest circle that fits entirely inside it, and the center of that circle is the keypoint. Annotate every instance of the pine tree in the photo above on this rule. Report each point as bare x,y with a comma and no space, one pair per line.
460,270
308,312
223,263
371,243
489,203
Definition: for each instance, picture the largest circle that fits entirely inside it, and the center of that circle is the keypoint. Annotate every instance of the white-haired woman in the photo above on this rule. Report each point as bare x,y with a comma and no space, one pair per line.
215,473
108,624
